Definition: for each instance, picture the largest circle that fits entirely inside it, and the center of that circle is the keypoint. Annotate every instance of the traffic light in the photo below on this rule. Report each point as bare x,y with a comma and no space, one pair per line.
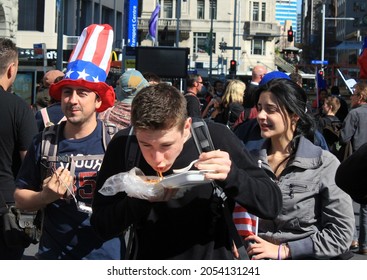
222,45
290,35
321,73
233,67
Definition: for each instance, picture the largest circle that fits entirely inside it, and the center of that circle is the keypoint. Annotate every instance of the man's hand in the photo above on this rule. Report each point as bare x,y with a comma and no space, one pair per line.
57,185
216,162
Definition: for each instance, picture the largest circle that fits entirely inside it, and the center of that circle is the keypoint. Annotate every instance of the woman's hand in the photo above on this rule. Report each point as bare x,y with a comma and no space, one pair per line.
260,249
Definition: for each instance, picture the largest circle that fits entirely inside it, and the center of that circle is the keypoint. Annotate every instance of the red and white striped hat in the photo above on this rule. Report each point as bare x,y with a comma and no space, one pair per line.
89,65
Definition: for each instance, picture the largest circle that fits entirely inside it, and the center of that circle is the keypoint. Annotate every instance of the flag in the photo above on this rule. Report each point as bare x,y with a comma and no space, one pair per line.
246,223
209,43
153,21
362,61
350,83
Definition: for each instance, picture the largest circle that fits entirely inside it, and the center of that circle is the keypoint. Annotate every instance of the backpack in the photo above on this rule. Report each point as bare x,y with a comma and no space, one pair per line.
46,118
331,133
204,143
49,157
49,148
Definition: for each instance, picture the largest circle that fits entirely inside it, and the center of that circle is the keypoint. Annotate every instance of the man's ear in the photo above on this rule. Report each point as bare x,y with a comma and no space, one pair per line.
98,101
187,126
11,71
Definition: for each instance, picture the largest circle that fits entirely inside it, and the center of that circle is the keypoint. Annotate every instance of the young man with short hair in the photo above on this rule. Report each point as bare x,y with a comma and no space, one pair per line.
67,191
192,226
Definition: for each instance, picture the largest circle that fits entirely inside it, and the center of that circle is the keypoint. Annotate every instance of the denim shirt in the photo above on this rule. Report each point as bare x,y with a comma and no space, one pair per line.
317,218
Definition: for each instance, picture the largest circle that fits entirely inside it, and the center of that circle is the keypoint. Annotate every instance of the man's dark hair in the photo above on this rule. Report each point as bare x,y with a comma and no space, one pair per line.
296,77
159,106
191,79
8,54
152,77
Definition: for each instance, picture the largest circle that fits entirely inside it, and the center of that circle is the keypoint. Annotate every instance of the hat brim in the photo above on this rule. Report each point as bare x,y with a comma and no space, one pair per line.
104,91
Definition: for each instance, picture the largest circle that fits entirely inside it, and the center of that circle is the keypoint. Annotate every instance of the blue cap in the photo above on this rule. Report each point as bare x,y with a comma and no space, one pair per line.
273,75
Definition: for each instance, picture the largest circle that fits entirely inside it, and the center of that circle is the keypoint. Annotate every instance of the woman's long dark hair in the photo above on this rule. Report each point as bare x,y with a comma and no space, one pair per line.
293,99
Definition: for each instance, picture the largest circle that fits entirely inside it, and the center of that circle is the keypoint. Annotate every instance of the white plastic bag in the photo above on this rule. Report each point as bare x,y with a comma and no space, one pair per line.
133,184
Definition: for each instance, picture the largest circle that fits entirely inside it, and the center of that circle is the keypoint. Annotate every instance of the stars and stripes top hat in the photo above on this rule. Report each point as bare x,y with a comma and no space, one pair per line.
89,65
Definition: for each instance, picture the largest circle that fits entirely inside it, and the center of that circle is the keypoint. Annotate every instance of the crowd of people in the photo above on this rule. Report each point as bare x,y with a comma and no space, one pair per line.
267,152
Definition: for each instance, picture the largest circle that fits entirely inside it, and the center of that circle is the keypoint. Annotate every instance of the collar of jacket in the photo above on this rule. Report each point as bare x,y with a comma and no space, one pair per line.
308,155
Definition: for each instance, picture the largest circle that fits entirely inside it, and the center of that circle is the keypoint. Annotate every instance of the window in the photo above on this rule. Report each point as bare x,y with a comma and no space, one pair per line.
213,9
255,11
263,11
201,9
258,47
31,15
168,9
202,42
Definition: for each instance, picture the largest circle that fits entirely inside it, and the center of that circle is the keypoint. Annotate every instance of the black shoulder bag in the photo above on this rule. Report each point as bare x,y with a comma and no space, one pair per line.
204,143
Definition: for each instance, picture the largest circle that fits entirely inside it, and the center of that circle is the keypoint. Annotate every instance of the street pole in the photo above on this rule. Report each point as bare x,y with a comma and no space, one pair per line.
211,42
323,29
234,35
234,30
178,16
60,32
323,33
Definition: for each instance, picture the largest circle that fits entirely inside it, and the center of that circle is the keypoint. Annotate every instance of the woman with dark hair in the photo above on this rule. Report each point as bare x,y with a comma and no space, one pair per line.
316,220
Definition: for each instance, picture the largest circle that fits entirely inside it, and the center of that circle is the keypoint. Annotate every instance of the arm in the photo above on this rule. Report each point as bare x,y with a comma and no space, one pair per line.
54,187
245,182
204,114
336,223
31,194
348,128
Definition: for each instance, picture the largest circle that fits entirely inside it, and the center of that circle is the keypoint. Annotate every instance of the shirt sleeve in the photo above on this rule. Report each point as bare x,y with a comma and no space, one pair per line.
26,126
29,175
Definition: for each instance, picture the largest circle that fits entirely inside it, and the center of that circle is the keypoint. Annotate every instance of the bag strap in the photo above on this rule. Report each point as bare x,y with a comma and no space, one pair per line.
46,118
132,151
49,143
204,143
108,132
132,158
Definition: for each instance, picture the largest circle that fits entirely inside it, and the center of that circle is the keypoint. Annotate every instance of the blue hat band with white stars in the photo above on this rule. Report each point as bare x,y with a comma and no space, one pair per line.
86,70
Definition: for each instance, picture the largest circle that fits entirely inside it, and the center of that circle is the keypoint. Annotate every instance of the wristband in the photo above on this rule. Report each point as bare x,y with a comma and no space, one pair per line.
279,251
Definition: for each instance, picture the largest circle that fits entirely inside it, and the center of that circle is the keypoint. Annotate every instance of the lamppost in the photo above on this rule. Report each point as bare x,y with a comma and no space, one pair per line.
323,29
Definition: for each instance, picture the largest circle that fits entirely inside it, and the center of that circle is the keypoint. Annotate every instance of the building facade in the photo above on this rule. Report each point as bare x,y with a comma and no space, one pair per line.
249,26
286,10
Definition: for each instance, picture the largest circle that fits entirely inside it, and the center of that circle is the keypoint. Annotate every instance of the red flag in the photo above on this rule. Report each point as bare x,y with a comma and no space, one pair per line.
362,61
245,222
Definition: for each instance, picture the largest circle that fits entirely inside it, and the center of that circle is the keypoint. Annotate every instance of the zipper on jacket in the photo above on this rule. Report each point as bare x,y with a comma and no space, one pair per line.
291,191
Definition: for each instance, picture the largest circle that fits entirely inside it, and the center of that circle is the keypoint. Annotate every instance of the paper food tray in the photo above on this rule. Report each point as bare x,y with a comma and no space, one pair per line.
183,180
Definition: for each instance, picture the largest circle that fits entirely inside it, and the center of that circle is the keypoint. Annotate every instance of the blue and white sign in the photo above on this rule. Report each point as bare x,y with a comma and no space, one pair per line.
132,23
323,62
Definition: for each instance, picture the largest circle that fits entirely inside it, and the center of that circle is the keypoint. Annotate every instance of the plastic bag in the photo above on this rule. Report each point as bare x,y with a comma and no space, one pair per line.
135,185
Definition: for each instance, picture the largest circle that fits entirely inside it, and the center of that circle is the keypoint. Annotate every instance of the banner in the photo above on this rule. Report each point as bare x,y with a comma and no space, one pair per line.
362,61
153,23
132,23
